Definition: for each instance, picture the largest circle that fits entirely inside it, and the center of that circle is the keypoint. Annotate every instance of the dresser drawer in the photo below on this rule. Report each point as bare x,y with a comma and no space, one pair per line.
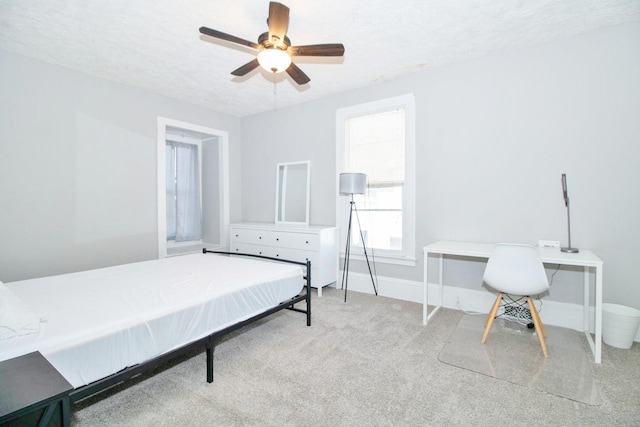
273,252
255,237
305,241
295,255
245,248
278,253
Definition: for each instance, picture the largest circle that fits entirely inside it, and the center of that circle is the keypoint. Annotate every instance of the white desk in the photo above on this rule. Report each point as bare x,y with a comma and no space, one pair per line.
585,258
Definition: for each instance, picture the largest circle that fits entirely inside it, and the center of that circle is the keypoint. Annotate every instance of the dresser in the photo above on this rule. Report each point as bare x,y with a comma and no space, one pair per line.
318,244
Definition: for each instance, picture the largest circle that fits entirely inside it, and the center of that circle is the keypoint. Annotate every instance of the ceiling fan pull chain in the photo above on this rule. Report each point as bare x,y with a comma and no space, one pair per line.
275,93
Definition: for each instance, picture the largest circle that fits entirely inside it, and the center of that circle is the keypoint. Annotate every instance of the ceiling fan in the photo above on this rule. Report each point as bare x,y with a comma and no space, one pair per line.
274,47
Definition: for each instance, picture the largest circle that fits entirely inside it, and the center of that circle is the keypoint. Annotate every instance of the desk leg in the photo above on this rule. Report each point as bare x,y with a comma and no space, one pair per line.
598,315
425,291
440,281
586,322
595,344
425,315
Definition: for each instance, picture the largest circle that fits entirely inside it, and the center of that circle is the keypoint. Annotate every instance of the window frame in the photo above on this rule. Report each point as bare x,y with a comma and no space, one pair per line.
221,137
406,256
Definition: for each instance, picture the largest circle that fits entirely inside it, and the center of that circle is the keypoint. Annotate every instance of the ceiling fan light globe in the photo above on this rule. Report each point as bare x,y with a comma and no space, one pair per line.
274,60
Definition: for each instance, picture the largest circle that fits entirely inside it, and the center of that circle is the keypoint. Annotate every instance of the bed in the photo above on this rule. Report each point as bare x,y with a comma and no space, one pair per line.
101,327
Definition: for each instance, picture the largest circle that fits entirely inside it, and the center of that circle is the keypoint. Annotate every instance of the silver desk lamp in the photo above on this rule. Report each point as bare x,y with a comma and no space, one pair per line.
565,193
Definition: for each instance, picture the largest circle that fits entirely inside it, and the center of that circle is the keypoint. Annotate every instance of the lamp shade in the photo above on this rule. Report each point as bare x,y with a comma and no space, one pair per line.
274,60
353,183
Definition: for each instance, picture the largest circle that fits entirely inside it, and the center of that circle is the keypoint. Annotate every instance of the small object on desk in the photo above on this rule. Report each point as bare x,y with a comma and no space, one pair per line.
32,392
549,243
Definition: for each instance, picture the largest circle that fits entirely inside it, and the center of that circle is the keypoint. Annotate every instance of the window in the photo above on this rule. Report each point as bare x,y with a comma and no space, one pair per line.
184,219
213,168
377,139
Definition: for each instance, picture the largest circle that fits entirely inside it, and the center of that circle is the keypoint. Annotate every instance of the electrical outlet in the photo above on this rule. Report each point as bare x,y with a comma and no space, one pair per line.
549,243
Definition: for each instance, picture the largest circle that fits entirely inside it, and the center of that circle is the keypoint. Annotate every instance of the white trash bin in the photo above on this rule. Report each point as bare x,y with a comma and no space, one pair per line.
619,325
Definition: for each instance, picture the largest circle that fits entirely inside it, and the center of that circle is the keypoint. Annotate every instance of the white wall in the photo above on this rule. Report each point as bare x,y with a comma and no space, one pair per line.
211,192
78,168
493,137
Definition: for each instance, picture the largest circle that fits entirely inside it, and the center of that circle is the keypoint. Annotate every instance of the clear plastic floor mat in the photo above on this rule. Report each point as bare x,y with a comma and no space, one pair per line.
512,353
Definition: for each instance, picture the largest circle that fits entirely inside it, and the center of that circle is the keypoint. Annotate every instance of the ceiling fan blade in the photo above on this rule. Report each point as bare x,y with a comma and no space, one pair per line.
228,37
278,22
297,74
246,68
331,49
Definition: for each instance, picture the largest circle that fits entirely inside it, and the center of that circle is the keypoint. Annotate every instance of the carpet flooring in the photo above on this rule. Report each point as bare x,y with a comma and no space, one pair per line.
367,362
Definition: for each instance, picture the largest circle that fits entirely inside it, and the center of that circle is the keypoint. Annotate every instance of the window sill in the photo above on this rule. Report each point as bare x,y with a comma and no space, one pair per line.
384,259
193,248
174,244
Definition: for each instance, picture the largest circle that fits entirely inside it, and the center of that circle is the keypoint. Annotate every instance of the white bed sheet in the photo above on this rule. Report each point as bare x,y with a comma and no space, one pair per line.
99,322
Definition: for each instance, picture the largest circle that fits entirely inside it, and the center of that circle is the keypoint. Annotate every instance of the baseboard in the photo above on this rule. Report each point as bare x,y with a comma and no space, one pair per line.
406,290
555,313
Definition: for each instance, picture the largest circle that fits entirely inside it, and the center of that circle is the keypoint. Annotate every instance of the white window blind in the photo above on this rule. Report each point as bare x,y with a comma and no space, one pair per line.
376,147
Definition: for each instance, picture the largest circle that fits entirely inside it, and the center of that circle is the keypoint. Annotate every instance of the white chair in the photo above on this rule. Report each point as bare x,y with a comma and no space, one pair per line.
515,269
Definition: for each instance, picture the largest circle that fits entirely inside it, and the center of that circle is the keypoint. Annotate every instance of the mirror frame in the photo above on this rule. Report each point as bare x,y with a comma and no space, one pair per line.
281,192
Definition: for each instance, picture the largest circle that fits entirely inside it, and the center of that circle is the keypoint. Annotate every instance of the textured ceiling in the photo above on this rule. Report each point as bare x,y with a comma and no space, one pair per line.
155,44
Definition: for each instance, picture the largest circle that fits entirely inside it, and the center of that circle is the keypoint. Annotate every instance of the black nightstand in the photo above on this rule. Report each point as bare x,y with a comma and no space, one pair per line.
32,392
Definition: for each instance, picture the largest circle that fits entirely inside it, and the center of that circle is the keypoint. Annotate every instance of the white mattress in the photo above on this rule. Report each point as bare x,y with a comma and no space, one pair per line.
99,322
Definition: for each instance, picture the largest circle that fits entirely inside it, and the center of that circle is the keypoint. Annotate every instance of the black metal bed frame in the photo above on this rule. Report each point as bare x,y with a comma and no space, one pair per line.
208,342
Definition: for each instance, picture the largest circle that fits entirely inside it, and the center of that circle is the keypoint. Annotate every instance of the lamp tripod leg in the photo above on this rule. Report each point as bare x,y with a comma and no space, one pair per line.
347,255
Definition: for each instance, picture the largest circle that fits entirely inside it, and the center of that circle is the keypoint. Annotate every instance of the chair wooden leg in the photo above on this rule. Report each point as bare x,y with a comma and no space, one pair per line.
491,316
491,311
540,331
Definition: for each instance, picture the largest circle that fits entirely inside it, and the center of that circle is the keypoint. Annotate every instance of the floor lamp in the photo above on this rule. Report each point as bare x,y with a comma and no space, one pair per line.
350,184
